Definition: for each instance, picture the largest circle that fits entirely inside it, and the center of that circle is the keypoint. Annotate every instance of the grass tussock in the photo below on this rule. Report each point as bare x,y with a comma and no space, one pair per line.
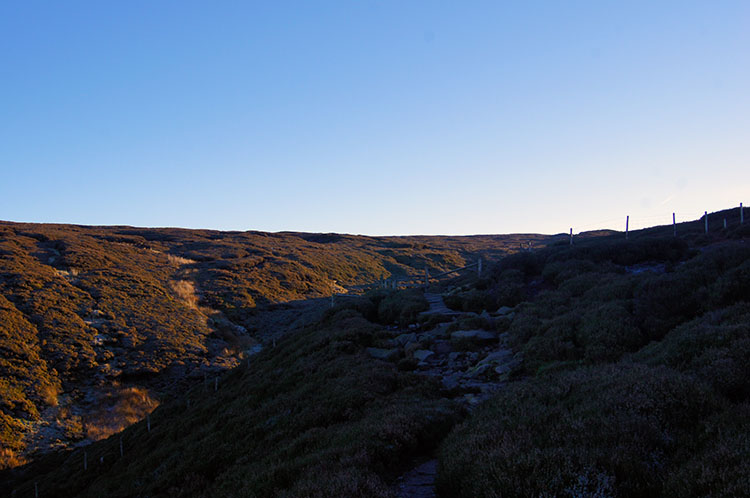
179,260
118,410
185,290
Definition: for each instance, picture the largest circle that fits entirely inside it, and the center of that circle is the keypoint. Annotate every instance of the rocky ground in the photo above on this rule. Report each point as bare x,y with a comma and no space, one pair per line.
471,365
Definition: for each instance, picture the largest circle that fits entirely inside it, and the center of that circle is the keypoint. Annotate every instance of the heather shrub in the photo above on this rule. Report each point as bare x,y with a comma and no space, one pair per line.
720,464
715,347
664,301
313,416
613,430
402,307
608,331
528,263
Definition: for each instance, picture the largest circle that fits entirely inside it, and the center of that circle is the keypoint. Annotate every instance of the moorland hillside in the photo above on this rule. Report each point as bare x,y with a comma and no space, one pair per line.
611,367
97,324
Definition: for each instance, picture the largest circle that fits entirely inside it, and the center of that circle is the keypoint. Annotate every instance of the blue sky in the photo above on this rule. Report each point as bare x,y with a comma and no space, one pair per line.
373,117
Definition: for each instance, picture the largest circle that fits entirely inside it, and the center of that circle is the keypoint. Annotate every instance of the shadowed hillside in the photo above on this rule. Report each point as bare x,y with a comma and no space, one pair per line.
99,323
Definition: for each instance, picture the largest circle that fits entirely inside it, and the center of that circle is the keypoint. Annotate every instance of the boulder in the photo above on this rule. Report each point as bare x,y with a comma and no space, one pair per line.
451,381
422,354
441,330
383,354
477,371
411,347
497,357
405,339
442,347
480,336
502,361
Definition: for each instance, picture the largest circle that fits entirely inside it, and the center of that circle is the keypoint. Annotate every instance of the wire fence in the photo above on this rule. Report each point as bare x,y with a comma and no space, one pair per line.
642,221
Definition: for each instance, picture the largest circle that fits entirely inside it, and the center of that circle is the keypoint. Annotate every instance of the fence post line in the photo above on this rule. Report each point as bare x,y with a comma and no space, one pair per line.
479,267
627,226
674,225
725,223
571,236
705,220
742,214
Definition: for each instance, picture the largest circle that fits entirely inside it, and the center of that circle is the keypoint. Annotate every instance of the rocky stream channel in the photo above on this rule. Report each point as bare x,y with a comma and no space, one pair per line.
470,364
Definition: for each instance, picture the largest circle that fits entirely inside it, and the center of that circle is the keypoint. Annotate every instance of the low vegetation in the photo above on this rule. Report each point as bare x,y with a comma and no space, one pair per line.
635,373
314,416
88,313
627,376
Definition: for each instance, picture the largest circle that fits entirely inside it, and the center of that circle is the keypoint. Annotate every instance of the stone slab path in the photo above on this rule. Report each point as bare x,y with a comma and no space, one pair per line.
418,482
437,305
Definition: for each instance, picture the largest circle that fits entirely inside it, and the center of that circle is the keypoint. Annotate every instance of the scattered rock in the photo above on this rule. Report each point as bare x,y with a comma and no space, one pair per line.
405,339
442,347
475,335
441,330
497,356
411,347
422,354
504,310
383,354
478,370
451,381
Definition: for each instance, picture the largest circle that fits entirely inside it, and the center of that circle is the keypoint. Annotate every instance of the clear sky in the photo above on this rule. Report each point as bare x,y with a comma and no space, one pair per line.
374,117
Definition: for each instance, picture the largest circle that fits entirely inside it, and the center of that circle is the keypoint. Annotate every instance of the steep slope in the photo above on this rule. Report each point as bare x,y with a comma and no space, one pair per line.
314,416
98,323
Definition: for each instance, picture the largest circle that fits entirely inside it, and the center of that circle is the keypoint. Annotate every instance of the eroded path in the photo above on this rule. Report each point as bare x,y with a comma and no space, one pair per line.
471,366
419,482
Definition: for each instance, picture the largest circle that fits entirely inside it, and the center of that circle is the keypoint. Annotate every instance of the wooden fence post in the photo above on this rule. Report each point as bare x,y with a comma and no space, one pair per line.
705,220
479,267
571,236
627,226
725,223
674,225
742,214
